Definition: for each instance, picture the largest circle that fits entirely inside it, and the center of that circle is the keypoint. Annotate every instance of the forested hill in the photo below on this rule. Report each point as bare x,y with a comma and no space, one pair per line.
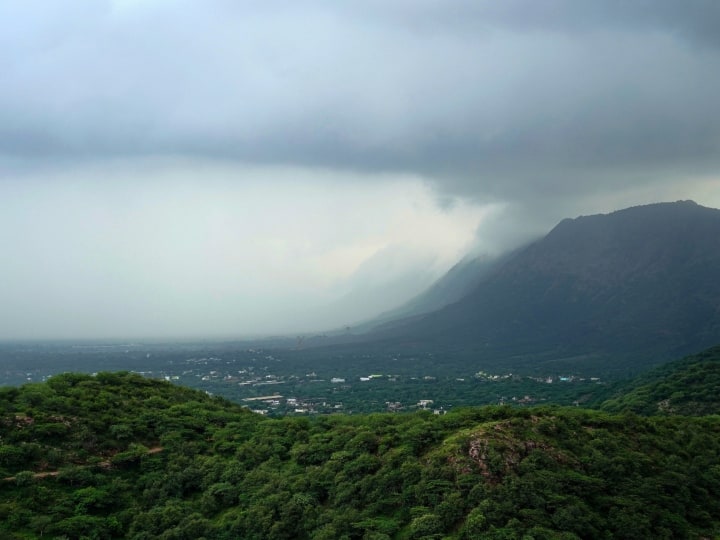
690,386
119,456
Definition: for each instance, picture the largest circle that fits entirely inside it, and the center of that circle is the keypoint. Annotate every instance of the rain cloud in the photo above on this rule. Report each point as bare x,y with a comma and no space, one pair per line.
498,118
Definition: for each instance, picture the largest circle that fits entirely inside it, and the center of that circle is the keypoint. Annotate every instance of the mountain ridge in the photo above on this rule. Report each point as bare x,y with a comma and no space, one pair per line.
639,281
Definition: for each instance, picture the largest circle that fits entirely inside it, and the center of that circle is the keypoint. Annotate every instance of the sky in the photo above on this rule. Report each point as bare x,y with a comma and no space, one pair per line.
222,168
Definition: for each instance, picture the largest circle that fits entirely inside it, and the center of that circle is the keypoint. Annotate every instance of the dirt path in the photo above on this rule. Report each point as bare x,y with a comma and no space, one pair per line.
102,464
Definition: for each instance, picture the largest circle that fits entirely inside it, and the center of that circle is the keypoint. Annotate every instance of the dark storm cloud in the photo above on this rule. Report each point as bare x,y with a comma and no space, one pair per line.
694,21
502,100
188,167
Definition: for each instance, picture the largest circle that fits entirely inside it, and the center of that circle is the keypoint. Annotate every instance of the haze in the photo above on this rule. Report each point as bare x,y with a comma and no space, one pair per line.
215,168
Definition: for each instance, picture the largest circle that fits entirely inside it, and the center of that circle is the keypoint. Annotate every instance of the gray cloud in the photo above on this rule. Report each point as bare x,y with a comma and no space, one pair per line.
485,97
546,109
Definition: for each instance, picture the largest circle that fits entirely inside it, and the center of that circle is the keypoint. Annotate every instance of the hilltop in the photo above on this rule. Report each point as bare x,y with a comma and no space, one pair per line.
118,456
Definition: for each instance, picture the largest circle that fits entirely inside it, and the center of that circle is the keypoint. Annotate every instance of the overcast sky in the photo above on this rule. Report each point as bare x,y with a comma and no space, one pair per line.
228,168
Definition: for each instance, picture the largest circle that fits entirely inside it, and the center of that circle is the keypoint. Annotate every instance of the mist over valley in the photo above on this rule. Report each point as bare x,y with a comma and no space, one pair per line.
359,270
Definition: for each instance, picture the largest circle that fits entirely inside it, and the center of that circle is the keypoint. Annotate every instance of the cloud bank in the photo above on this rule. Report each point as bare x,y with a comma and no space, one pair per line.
503,117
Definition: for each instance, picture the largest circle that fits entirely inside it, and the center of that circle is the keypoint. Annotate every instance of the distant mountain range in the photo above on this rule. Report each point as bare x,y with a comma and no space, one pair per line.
641,283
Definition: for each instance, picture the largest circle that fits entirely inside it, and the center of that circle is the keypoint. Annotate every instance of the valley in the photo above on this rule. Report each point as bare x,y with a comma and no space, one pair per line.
360,270
281,382
568,391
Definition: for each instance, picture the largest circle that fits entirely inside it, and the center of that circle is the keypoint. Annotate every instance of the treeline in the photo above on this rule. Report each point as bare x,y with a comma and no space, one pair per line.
690,386
119,456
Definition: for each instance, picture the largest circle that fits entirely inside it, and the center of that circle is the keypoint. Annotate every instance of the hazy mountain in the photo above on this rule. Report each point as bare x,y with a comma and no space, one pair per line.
639,282
457,283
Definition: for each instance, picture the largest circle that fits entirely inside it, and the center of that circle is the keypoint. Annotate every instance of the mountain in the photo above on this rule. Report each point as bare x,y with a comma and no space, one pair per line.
459,281
119,456
639,283
690,386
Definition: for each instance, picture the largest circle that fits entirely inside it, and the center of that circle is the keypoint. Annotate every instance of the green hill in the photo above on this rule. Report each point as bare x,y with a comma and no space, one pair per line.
119,456
690,386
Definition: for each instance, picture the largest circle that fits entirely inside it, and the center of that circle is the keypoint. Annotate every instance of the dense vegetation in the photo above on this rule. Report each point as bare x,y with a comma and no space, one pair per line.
119,456
690,386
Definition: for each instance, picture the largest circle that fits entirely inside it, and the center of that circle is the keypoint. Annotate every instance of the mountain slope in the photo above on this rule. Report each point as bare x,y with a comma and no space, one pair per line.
639,282
216,471
457,283
690,386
